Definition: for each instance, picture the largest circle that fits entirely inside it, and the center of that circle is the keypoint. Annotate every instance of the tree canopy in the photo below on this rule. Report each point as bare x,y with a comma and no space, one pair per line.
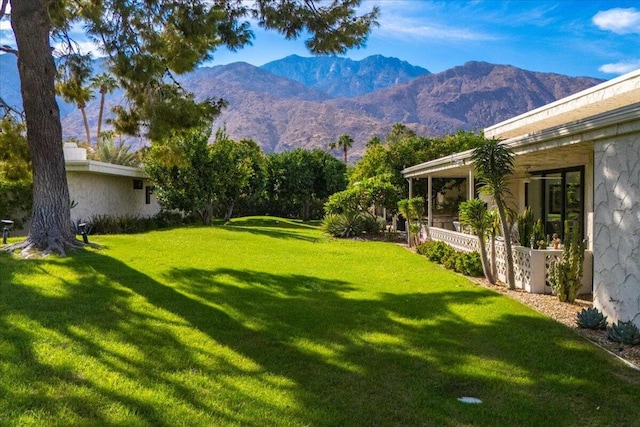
402,148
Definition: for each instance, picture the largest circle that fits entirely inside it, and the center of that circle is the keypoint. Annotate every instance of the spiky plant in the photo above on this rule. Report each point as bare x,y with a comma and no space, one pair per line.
624,332
591,318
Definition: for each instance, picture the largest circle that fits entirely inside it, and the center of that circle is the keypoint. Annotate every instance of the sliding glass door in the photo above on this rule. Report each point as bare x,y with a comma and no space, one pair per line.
562,199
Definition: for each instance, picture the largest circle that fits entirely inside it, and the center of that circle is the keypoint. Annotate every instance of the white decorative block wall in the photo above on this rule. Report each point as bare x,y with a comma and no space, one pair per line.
616,257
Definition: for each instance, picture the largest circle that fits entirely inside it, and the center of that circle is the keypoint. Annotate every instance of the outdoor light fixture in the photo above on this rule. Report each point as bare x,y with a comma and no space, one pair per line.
5,230
83,230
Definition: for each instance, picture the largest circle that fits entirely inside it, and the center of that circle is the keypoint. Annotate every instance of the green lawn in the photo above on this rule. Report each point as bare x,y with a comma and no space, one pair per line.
261,323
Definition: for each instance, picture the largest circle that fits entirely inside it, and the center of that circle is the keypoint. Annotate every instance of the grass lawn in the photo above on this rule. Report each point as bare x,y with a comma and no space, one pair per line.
261,323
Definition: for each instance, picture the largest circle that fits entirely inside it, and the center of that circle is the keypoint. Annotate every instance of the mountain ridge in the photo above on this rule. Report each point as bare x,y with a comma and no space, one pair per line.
280,113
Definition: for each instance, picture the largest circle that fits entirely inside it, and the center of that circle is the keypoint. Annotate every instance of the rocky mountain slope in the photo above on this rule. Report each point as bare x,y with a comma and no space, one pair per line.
281,113
343,77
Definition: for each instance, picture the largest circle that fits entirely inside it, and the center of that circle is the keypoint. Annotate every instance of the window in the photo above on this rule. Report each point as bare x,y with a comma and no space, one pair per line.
147,194
559,198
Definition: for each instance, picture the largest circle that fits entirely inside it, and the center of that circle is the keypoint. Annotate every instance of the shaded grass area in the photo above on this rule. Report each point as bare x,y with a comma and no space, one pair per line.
267,322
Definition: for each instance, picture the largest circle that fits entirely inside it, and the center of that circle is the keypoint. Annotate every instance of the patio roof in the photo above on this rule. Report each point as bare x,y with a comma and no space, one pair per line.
573,122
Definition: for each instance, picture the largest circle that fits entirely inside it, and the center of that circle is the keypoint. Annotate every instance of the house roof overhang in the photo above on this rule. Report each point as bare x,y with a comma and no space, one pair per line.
92,166
573,121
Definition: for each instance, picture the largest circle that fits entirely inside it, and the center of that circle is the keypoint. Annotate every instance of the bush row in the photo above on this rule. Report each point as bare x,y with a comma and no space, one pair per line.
129,224
467,263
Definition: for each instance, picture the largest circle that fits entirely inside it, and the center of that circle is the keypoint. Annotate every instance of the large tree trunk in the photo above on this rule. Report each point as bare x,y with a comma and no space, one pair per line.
51,221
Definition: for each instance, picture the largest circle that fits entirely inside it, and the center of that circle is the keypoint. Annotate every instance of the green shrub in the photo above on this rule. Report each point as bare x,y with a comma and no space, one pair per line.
124,224
423,248
167,219
374,225
435,250
469,264
449,259
348,224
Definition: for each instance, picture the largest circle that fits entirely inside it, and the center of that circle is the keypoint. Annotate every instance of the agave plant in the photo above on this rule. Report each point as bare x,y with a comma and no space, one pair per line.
591,318
624,332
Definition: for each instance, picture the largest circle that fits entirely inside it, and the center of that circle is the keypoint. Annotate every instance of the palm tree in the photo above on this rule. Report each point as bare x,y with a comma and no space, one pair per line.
105,83
493,166
74,74
118,153
344,142
473,213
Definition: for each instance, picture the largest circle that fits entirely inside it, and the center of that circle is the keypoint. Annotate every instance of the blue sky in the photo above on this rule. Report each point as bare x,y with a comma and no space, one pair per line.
577,38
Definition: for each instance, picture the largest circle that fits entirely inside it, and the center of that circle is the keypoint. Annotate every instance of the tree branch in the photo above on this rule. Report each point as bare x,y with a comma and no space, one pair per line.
8,49
3,8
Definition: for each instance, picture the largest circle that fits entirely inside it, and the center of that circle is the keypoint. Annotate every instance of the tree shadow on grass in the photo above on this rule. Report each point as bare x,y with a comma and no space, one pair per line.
249,347
274,227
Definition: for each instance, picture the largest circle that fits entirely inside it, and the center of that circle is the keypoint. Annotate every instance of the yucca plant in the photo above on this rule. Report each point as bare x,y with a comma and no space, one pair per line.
346,225
624,332
591,318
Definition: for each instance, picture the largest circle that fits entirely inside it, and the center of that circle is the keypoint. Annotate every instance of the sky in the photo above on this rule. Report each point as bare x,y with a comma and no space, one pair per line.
576,38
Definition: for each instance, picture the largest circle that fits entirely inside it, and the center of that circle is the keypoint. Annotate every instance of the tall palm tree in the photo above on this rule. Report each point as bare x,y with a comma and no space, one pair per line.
72,86
73,91
105,83
344,142
493,167
473,213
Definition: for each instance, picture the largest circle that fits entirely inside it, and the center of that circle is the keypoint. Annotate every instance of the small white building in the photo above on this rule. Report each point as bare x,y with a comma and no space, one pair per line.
98,188
577,160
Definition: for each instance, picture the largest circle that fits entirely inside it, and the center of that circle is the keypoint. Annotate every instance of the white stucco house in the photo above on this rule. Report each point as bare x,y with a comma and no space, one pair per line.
577,159
98,188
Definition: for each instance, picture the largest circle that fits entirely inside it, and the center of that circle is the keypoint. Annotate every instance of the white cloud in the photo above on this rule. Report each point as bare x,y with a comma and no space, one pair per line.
619,21
410,20
620,67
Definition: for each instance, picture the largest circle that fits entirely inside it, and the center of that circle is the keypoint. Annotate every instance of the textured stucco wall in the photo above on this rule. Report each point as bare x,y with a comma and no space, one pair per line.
98,194
617,228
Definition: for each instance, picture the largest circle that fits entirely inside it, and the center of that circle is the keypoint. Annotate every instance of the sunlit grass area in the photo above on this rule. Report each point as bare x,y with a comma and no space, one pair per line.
266,321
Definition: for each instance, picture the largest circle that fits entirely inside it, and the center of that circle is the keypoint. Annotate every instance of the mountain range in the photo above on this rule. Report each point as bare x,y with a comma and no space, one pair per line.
309,102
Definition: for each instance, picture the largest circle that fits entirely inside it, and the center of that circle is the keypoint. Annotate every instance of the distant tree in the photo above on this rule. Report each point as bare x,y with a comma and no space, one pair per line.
181,170
363,197
73,85
493,164
105,83
146,43
298,179
201,178
238,169
345,142
402,148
